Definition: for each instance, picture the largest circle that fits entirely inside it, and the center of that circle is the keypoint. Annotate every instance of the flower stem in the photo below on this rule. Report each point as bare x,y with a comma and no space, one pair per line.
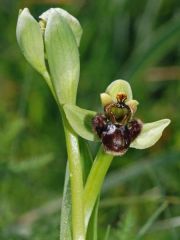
76,181
95,181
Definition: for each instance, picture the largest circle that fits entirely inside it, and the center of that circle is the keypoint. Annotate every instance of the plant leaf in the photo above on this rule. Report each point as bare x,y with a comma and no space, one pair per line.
30,40
72,21
63,58
81,121
119,86
150,134
65,226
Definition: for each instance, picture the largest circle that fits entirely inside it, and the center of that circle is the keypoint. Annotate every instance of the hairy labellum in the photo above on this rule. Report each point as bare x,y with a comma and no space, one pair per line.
116,138
134,127
99,123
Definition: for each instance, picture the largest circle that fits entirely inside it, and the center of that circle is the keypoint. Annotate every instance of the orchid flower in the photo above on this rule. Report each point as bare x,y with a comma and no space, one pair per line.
116,127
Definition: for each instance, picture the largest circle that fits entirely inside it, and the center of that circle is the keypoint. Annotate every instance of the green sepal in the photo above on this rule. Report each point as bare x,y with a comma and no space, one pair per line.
119,86
150,134
71,20
63,58
81,121
30,41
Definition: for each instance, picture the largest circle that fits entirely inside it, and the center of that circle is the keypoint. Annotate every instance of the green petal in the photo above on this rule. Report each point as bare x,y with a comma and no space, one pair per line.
81,121
30,40
72,21
119,86
150,134
63,58
105,99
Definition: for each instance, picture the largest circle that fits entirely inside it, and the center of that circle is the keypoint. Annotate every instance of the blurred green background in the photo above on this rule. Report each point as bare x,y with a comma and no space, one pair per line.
133,40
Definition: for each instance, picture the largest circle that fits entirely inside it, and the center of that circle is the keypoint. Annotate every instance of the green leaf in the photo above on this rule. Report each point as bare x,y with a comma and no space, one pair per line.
150,134
119,86
63,58
81,121
65,225
30,40
72,21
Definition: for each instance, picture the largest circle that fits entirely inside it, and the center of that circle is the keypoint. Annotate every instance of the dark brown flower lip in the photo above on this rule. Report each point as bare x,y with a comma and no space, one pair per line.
116,138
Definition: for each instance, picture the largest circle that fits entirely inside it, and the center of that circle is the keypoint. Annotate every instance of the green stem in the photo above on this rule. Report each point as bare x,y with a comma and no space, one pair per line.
95,181
76,180
75,172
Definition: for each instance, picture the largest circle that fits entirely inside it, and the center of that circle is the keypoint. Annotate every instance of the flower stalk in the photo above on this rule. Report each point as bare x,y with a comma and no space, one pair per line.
94,182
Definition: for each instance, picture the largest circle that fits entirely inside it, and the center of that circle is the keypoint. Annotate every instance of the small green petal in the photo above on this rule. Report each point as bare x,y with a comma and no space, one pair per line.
119,86
63,58
133,105
150,134
105,99
72,21
81,121
30,40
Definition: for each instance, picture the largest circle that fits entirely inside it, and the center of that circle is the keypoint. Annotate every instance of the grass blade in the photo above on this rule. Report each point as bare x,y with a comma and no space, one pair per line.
165,39
107,235
151,220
